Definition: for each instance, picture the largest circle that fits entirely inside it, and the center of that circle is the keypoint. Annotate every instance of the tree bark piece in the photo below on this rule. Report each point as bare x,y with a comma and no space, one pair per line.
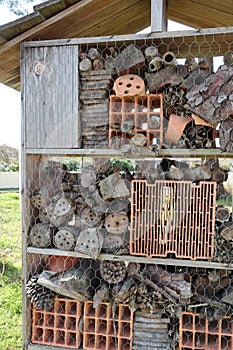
211,99
129,60
227,233
79,282
165,76
226,134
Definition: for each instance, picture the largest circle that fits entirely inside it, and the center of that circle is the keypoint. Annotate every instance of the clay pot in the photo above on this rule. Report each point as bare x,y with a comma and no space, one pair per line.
176,127
57,263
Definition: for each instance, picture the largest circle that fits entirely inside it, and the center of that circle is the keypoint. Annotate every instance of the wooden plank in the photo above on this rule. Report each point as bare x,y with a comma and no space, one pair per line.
159,15
198,14
47,347
204,42
137,37
51,97
167,153
138,259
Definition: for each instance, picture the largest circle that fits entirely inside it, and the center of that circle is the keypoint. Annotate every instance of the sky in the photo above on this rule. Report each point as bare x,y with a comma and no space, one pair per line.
10,101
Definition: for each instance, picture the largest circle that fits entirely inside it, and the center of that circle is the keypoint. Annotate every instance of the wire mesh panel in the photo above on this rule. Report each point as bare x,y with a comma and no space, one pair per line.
173,217
115,226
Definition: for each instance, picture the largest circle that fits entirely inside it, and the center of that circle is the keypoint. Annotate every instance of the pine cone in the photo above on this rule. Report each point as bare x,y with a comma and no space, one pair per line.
41,297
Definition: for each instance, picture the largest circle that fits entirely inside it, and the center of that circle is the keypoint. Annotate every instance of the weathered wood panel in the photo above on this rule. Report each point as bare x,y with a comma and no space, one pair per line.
51,97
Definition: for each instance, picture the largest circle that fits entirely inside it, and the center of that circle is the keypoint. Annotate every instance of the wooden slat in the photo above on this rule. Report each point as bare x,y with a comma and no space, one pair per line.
138,259
167,153
200,14
51,98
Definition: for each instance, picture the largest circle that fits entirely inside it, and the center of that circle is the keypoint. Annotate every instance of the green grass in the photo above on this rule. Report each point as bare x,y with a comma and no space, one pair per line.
10,272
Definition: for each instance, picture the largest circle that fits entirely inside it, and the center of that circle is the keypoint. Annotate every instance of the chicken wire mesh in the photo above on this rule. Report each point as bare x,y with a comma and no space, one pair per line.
88,284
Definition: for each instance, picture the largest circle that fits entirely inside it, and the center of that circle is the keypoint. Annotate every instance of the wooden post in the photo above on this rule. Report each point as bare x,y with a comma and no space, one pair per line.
158,16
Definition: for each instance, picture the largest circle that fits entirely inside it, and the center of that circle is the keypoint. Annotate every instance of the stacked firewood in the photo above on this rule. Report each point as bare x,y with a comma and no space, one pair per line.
85,212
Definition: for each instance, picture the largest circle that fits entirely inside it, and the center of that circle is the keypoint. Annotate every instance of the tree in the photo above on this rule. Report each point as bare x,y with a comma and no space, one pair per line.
17,6
9,158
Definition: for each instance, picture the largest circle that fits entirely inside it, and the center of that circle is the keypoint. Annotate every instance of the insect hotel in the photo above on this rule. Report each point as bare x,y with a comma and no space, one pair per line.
127,143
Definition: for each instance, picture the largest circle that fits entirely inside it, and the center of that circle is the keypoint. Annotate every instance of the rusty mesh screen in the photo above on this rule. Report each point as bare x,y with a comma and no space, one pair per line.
173,217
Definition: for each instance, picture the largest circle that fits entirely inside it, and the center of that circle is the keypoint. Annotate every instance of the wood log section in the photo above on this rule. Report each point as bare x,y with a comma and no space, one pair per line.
150,53
116,223
113,271
93,53
174,174
119,205
65,238
199,173
50,180
114,186
146,170
90,219
85,64
167,75
37,200
112,243
101,295
222,214
40,236
90,242
62,207
47,216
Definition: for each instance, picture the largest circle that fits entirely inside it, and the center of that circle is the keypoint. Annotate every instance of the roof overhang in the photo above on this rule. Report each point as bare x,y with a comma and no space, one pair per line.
59,19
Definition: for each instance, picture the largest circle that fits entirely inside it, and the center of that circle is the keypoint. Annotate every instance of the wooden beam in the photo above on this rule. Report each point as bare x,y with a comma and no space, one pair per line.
137,259
159,15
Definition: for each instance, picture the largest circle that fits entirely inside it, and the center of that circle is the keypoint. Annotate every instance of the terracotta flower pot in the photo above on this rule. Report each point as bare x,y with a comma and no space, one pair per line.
176,127
57,263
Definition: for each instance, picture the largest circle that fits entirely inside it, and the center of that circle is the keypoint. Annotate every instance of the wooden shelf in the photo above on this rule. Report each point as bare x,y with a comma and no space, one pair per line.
132,258
163,153
47,347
